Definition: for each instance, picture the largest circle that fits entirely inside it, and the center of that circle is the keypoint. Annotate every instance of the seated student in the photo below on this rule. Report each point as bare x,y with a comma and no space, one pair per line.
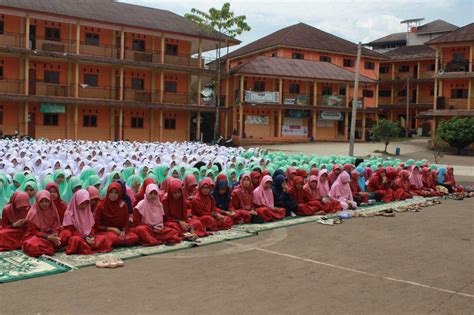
79,220
263,198
430,178
381,186
141,193
177,215
281,197
14,225
190,185
45,234
222,197
61,206
341,190
307,205
446,179
332,176
403,182
256,177
416,182
148,218
204,207
290,174
30,188
94,195
112,218
242,200
361,197
330,205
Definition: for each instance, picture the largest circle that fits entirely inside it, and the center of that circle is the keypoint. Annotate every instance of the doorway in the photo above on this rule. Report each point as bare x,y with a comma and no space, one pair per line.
32,82
32,42
32,124
207,126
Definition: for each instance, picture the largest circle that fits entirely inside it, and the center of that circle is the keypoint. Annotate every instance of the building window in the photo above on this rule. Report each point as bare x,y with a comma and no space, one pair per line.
327,90
385,93
171,49
348,63
91,79
402,93
342,92
138,45
89,121
51,77
171,86
369,65
138,84
459,93
404,68
274,54
384,69
137,122
325,58
431,67
431,91
1,27
1,73
259,86
368,93
297,55
52,34
92,39
170,123
50,119
294,88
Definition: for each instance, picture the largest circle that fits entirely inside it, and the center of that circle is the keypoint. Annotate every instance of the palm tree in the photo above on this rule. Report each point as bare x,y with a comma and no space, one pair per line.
224,25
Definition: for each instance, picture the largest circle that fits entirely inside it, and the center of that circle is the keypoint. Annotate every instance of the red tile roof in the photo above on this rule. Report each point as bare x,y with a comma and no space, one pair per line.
303,36
297,68
436,26
392,38
415,52
463,34
448,112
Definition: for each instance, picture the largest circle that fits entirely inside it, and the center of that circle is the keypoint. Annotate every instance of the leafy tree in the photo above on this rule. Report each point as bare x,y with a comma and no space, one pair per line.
457,132
385,131
224,24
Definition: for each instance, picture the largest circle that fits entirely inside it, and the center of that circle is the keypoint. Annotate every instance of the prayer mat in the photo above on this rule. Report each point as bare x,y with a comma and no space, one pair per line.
223,236
14,266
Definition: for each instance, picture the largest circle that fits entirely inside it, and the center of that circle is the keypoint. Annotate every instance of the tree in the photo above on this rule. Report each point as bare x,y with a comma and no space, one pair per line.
223,24
457,132
385,131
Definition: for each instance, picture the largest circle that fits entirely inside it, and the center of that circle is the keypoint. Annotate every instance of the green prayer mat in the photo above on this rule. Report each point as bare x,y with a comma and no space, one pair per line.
14,266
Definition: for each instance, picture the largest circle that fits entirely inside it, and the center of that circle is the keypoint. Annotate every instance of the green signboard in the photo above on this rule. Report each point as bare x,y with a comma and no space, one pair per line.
54,108
333,100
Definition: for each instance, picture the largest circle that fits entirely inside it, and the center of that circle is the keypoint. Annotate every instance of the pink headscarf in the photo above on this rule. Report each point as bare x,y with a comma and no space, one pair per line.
83,220
152,211
416,179
261,196
314,193
323,187
341,188
46,220
93,192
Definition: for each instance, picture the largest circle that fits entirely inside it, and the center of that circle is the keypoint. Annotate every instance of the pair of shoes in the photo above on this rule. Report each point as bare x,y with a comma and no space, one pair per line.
109,261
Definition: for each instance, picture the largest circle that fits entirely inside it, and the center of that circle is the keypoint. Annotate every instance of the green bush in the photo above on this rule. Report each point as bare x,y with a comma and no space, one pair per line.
457,132
385,131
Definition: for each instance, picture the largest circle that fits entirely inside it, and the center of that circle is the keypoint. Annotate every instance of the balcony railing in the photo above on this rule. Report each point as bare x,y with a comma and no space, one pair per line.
427,75
455,103
385,76
99,92
425,99
143,56
455,66
11,86
138,95
385,100
12,40
51,89
296,99
62,46
98,50
179,98
184,60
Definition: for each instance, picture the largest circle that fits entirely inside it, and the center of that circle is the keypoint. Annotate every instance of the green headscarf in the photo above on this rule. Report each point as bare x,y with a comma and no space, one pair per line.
63,185
74,182
134,178
141,172
33,185
92,181
160,173
19,177
127,172
85,174
109,180
4,192
48,179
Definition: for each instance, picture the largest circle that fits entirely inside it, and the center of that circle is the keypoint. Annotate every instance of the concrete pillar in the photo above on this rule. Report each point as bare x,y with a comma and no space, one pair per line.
363,126
78,38
226,101
226,124
121,84
435,97
241,119
280,91
392,94
76,80
200,53
393,71
315,121
279,123
346,125
122,45
377,95
162,86
315,92
27,31
198,126
27,75
241,97
417,93
162,46
199,90
76,120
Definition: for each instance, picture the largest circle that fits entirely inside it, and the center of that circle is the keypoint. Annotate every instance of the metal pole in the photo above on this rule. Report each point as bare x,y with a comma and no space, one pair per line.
354,101
408,106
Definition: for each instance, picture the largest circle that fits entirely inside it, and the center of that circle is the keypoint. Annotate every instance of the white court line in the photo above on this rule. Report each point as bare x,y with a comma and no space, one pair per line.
365,273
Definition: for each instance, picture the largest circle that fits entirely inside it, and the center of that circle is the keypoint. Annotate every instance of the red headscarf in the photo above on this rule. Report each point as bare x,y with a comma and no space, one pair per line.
313,171
348,168
289,171
299,195
355,188
61,206
312,192
254,175
203,204
164,186
175,209
301,173
245,195
19,199
190,184
93,193
332,175
221,177
449,176
404,180
112,213
46,220
141,194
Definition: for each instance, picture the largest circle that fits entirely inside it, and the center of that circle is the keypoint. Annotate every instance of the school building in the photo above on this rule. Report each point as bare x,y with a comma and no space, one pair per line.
102,70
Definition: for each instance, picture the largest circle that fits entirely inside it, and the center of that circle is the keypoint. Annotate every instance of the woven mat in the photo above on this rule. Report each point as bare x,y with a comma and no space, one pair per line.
14,266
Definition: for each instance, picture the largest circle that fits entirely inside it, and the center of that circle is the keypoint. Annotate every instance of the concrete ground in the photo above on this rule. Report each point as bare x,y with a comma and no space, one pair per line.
415,263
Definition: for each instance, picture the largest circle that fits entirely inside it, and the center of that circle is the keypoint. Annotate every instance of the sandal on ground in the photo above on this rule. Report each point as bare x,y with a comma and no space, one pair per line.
106,261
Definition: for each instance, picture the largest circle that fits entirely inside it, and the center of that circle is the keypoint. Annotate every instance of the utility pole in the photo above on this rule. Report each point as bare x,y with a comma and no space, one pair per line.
408,106
354,102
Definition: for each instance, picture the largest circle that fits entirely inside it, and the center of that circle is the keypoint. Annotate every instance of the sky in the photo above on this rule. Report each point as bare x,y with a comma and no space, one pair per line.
354,20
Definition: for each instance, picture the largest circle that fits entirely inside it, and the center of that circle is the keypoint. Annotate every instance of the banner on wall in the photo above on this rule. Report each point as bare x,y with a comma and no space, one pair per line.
298,100
333,100
257,120
294,127
53,108
261,97
331,116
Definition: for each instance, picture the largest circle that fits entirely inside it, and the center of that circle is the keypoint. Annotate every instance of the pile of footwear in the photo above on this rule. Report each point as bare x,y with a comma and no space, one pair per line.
109,261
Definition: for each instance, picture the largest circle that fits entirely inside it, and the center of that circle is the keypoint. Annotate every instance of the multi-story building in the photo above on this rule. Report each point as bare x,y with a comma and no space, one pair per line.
102,70
296,84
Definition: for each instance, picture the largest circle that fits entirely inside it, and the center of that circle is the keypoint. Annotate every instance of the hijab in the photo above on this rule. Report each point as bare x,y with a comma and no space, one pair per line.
323,187
341,187
141,194
222,201
175,209
45,220
189,183
415,177
114,211
82,220
18,200
245,195
262,196
151,211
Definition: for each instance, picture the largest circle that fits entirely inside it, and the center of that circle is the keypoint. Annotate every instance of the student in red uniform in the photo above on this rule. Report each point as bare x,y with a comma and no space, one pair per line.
141,194
451,181
204,207
402,186
14,224
242,200
330,205
177,215
361,197
307,205
112,219
79,220
222,197
263,198
381,186
336,170
290,174
190,185
148,220
94,197
256,177
60,204
45,234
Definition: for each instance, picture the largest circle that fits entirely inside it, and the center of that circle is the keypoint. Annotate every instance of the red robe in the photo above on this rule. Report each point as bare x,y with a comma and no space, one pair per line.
78,245
307,205
11,237
151,237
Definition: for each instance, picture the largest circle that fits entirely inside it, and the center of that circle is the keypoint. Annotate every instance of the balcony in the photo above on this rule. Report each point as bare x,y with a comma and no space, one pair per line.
98,50
385,76
426,99
386,100
184,60
143,56
455,103
12,40
427,75
11,86
98,92
179,98
51,89
53,46
143,96
455,66
296,99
